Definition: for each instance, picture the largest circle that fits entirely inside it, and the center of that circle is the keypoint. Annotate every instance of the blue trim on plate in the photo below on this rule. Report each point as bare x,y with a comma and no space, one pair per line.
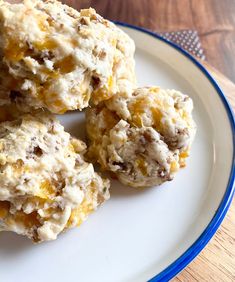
210,230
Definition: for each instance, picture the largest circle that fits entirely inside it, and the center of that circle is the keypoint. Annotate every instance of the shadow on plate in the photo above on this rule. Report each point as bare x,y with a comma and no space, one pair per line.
11,243
119,190
74,123
77,129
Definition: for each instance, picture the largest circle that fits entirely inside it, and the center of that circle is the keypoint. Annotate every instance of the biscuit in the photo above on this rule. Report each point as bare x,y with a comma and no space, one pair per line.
46,186
144,138
57,58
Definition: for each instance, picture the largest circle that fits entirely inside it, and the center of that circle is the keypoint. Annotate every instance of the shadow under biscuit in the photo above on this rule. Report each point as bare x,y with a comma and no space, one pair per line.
74,123
11,243
119,190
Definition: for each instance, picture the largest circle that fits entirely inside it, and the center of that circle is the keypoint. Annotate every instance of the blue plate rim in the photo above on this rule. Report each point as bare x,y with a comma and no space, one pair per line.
180,263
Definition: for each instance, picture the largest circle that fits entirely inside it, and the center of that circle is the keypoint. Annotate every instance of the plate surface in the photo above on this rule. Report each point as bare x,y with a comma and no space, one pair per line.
155,232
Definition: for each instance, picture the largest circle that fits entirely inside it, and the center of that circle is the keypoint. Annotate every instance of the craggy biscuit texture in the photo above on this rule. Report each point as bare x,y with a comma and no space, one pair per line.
46,186
144,138
55,57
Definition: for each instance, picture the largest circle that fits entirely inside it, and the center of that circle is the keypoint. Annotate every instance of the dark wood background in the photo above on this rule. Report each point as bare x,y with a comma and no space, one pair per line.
213,19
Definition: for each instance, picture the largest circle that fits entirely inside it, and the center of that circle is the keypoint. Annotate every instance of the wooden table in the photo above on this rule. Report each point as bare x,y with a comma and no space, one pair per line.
215,22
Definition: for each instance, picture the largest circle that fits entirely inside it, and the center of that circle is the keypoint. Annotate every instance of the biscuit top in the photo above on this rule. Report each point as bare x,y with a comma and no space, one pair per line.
62,59
169,112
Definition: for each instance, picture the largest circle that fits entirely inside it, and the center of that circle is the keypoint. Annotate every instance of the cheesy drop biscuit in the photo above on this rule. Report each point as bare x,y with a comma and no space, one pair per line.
144,138
58,58
46,186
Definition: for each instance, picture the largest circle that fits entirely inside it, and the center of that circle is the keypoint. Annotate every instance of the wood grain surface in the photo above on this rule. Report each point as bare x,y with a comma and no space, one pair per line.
215,22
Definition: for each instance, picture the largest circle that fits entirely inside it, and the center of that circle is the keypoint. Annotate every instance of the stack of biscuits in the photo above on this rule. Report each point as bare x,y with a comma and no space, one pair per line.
54,59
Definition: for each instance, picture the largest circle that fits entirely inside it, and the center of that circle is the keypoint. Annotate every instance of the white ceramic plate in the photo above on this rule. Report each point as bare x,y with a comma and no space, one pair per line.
138,235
